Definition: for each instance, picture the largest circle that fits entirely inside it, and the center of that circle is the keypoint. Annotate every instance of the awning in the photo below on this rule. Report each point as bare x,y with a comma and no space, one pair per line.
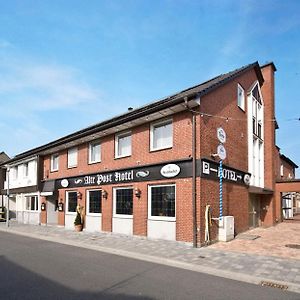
48,188
259,190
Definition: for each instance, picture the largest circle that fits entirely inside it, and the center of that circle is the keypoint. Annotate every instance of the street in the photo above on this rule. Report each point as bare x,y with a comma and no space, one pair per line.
36,269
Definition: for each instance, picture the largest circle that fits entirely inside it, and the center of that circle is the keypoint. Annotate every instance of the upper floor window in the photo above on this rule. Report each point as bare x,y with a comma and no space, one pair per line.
54,162
240,97
72,158
123,144
94,152
15,173
161,135
25,169
281,170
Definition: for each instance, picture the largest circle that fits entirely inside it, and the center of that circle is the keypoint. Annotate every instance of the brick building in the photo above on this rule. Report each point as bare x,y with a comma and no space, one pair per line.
154,171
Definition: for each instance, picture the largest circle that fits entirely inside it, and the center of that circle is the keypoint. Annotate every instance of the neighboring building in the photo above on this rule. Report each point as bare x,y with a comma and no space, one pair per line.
152,171
3,158
23,189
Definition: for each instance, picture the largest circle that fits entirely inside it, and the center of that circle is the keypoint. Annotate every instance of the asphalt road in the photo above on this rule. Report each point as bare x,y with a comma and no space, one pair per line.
36,269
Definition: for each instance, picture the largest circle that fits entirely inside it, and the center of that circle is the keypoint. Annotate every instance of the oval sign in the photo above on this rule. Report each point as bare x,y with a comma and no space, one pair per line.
170,170
221,134
221,152
64,183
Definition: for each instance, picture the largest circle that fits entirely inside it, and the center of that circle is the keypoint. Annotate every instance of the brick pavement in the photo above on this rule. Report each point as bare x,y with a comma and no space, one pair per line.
235,262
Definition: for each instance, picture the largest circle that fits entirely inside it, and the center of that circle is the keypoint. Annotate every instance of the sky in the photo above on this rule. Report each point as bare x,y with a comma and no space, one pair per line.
65,65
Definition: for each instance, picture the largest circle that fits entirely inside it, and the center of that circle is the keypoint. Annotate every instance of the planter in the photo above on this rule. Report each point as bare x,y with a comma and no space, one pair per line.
78,227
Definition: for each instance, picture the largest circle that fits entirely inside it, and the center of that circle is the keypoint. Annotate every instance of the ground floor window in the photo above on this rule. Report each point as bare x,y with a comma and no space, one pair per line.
162,201
94,202
123,201
71,201
31,203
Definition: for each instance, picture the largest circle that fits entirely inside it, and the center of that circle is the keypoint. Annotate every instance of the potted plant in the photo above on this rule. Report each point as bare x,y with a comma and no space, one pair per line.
78,224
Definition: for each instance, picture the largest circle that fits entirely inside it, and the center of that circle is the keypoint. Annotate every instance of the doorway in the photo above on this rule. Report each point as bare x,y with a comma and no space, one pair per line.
254,211
52,210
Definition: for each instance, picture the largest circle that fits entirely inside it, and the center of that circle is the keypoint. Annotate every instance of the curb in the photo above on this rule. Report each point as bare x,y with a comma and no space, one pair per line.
291,287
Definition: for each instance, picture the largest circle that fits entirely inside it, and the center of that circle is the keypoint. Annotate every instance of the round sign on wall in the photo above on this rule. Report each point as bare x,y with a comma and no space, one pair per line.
170,170
221,152
221,134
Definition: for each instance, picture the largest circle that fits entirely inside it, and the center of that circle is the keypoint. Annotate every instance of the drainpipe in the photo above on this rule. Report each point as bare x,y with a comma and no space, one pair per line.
194,198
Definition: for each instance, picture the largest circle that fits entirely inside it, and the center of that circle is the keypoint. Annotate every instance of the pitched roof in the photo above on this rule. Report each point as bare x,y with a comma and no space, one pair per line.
190,93
289,161
3,157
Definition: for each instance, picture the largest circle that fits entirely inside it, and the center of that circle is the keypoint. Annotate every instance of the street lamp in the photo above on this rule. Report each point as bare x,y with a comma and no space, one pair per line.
7,194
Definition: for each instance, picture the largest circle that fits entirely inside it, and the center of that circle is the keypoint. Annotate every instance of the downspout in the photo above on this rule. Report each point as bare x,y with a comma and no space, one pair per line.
194,198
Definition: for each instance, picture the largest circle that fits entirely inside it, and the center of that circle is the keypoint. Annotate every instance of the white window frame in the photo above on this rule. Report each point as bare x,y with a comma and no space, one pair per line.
158,124
117,137
121,216
36,203
26,169
88,202
73,151
281,170
240,99
52,169
15,173
159,218
91,144
67,203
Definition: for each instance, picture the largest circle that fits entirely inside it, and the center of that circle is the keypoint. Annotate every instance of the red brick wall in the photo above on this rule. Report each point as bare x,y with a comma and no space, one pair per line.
220,103
288,171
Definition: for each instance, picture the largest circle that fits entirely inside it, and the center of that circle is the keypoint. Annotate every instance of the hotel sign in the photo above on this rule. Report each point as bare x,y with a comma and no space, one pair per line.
178,169
210,170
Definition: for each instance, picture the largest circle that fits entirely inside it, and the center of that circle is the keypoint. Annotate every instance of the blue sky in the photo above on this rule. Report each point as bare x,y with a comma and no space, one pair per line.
65,65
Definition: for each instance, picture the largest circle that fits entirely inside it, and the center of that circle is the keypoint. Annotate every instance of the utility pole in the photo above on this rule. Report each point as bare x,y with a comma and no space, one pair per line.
7,193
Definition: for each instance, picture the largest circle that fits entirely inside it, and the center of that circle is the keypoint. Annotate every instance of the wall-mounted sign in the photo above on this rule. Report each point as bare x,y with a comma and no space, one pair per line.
170,170
221,151
221,134
177,169
210,170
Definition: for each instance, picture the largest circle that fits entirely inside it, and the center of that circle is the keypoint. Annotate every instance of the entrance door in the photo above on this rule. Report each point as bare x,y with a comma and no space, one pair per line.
52,211
254,211
287,205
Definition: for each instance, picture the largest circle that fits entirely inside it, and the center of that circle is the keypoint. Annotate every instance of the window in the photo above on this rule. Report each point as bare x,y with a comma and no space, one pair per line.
71,201
123,198
241,97
281,170
94,152
54,162
162,201
123,145
259,129
31,203
161,135
72,158
15,173
25,169
94,202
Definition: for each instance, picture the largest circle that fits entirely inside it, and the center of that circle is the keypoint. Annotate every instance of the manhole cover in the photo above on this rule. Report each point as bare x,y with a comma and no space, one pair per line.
294,246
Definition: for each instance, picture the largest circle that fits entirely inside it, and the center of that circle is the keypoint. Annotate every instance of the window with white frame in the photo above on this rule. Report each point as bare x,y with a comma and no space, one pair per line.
162,200
71,200
240,97
123,144
72,158
94,152
54,162
31,203
281,170
161,135
15,172
94,202
25,169
123,201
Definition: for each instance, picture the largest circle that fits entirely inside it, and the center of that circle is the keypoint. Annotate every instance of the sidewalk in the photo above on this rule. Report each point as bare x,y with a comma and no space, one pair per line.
214,260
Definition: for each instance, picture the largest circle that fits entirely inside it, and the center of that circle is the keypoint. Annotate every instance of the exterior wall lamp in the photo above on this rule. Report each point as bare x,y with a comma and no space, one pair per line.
137,192
104,194
79,195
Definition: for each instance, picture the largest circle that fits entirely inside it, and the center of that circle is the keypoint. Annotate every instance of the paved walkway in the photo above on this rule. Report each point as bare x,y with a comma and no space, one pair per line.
215,260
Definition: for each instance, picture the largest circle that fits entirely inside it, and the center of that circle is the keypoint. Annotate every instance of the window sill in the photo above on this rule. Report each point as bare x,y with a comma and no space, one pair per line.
161,218
160,149
94,162
72,167
94,214
53,171
124,156
123,216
